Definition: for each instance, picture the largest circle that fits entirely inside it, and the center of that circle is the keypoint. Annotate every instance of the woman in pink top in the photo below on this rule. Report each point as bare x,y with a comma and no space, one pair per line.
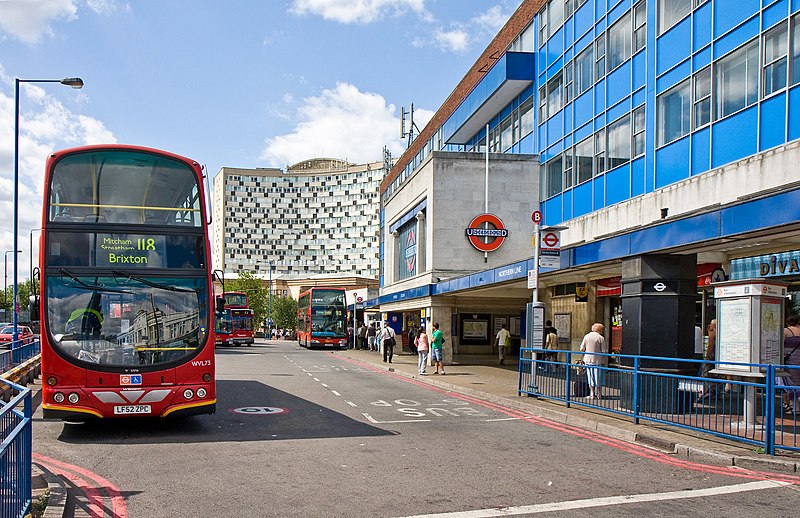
422,350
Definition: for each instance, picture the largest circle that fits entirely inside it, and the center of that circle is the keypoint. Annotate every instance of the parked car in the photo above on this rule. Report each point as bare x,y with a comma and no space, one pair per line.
7,334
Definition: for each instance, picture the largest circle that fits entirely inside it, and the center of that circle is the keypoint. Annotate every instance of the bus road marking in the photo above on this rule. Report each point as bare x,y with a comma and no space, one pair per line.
609,501
375,421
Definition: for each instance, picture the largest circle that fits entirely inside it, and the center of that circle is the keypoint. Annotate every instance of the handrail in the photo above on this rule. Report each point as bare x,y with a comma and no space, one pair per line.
15,452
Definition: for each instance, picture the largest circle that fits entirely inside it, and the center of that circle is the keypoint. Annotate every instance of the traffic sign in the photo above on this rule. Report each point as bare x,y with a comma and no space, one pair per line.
536,216
531,279
360,299
550,261
550,241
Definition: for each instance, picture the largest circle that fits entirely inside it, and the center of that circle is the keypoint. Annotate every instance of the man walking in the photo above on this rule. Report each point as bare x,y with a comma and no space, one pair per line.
503,341
594,342
387,338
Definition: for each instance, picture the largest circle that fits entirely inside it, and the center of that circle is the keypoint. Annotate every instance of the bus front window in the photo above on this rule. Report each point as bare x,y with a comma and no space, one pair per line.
126,321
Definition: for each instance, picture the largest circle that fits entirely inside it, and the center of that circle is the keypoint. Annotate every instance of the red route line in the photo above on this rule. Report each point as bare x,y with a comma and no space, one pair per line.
118,506
619,444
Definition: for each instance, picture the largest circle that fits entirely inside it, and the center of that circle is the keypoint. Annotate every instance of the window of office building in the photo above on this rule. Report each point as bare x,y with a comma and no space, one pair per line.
619,42
639,26
553,177
506,133
600,56
674,109
568,168
796,50
584,76
584,155
776,64
671,12
702,98
523,42
619,142
599,152
526,118
568,81
736,80
554,95
639,123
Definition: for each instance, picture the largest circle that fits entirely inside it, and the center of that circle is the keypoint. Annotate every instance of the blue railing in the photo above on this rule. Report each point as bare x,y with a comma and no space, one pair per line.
17,353
760,410
15,452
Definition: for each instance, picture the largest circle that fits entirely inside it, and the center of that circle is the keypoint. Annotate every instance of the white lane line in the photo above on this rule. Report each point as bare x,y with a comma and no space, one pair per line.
503,419
375,421
351,404
606,501
335,393
316,379
324,385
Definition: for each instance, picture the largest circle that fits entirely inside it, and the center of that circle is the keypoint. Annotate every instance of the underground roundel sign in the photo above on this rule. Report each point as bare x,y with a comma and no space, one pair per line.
486,232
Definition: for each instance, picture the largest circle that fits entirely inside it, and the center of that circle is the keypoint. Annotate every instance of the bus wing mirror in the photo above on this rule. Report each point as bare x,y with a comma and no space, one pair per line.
220,305
33,307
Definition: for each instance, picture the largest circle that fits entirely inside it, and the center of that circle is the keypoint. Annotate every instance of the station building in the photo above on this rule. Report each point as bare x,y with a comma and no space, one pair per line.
661,136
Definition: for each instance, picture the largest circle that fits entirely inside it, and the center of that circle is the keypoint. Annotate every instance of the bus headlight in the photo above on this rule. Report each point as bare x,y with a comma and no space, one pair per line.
201,392
207,377
73,397
58,397
188,394
52,381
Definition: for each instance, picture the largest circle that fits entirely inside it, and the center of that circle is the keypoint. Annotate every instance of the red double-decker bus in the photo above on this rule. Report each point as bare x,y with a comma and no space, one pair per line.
322,318
234,325
126,299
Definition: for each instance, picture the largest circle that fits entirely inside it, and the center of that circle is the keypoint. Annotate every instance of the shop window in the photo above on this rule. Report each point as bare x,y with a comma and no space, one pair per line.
674,109
736,80
562,290
776,65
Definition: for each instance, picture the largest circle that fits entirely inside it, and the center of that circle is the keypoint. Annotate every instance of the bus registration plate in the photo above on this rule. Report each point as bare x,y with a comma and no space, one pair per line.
132,409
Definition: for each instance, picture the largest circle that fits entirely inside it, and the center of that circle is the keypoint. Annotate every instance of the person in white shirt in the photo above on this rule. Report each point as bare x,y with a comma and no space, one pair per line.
503,341
594,342
387,338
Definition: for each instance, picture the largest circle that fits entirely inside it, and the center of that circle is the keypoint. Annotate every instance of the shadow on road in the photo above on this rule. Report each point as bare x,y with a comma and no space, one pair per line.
299,419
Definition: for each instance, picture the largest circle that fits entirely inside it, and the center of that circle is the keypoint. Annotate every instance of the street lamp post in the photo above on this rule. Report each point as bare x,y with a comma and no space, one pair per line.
5,275
269,300
74,82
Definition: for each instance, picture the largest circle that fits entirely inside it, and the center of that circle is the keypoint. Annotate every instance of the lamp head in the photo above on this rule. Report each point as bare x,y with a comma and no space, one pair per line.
74,82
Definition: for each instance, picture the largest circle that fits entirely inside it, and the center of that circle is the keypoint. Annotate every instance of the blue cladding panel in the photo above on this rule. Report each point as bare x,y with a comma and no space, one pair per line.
582,203
619,84
674,76
682,231
737,38
618,111
702,58
555,128
568,118
582,132
567,205
637,177
638,97
584,110
600,8
584,42
728,13
599,192
735,137
542,135
775,13
639,70
600,96
702,26
767,212
584,21
795,6
701,151
672,163
526,145
674,46
552,211
618,184
773,122
555,46
794,112
604,250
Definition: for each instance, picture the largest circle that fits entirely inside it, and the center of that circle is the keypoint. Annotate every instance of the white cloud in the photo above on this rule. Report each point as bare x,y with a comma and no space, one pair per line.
29,21
45,125
358,11
342,122
456,40
492,20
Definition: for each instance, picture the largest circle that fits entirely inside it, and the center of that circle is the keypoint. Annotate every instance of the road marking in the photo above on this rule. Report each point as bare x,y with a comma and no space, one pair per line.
351,404
375,421
316,379
504,419
610,500
324,385
335,393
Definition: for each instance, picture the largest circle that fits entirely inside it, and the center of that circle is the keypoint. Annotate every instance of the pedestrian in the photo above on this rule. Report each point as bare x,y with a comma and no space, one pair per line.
551,344
592,344
371,334
709,389
503,342
422,347
436,348
362,336
412,335
548,328
388,340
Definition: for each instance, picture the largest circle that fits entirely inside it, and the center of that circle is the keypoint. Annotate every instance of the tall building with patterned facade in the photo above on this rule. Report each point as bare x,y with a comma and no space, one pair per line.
318,217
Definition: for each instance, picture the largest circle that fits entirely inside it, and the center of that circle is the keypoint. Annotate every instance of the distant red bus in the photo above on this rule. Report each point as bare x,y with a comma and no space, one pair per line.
234,325
126,299
322,318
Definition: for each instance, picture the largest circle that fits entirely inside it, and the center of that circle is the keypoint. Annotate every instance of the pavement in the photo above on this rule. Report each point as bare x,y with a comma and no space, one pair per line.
482,376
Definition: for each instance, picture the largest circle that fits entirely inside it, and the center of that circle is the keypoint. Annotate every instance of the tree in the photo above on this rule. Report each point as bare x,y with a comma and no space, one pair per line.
284,312
258,297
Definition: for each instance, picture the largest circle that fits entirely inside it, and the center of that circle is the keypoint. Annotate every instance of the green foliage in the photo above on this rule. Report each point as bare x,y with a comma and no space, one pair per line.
284,312
23,290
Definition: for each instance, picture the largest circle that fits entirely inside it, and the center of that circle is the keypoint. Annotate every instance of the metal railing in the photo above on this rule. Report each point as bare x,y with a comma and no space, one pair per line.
15,452
760,410
17,353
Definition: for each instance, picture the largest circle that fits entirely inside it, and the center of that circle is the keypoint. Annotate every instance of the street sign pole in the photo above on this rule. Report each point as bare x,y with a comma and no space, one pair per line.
355,330
535,315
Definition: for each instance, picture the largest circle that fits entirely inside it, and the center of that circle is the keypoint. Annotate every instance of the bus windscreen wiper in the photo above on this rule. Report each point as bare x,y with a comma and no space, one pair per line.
92,287
152,284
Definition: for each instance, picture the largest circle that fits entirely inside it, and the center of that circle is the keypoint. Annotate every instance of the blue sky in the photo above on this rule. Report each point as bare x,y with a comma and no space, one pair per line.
256,83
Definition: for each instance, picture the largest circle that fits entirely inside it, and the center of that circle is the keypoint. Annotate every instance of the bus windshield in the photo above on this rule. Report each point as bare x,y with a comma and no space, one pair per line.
241,321
328,314
236,299
124,321
126,187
